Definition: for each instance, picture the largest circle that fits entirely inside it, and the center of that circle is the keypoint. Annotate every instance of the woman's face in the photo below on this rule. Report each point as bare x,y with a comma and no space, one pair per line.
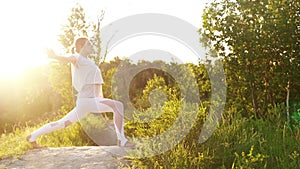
87,48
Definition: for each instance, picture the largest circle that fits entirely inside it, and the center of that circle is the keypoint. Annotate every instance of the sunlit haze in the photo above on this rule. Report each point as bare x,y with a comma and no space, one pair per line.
28,27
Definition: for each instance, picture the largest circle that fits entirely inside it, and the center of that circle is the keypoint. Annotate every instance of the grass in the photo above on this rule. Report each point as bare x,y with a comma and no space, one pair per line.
233,146
14,144
238,142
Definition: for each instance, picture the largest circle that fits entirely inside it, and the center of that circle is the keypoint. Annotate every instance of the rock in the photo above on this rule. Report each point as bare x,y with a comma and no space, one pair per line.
87,157
100,130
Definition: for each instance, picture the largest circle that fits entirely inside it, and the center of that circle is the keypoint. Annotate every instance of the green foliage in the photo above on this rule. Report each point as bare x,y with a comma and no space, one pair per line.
14,143
27,100
96,40
180,81
154,93
258,42
295,117
75,27
249,161
153,121
108,69
61,82
237,143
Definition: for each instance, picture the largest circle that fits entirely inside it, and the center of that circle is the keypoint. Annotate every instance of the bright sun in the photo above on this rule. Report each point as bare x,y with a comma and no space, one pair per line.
15,60
28,27
23,53
26,31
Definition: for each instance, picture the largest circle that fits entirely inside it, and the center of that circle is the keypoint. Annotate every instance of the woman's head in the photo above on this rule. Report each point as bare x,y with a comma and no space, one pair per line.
82,46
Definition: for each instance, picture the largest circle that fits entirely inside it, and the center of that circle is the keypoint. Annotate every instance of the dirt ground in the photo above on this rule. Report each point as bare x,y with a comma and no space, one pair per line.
89,157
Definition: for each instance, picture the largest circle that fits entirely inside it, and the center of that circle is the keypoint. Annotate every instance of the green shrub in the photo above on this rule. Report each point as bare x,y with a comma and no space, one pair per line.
14,143
249,161
237,143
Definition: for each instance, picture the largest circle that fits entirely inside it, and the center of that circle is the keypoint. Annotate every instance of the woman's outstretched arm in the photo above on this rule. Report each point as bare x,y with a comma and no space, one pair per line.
51,54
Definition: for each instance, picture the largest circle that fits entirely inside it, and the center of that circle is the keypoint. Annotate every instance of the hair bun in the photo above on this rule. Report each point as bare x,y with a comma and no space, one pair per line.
73,50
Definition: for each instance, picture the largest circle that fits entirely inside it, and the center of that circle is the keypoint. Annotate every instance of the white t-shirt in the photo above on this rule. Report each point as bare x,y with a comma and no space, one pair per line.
85,72
90,91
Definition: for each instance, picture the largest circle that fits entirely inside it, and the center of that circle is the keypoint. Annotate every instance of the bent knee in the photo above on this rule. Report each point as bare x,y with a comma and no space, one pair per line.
118,104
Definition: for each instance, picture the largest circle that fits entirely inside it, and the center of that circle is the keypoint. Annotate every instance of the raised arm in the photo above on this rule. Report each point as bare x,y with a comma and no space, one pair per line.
51,54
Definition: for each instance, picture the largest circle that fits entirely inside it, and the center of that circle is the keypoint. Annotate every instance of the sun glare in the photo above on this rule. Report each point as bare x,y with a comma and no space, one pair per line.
14,61
28,27
26,31
21,54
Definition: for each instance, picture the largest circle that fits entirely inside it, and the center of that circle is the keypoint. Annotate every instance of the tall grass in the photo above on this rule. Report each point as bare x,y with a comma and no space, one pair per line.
237,143
14,144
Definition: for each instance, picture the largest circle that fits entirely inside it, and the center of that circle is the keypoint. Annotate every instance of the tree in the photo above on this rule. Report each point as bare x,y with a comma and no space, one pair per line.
60,76
259,44
96,29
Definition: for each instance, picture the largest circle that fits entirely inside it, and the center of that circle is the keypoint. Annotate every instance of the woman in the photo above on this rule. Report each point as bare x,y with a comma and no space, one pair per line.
87,80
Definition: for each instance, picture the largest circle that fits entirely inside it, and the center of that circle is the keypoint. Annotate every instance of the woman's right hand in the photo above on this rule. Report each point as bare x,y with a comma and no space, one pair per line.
51,54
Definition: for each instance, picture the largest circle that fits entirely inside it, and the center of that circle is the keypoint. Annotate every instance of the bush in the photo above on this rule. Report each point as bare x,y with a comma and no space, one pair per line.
237,143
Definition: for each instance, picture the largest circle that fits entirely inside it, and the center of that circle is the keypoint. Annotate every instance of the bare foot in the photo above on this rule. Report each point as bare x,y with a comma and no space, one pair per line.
34,144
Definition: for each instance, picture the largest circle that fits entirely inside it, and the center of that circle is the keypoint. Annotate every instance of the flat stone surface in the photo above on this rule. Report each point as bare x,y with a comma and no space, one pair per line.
86,157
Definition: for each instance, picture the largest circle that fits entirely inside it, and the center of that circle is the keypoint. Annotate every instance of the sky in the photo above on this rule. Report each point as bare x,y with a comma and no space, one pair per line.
28,27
